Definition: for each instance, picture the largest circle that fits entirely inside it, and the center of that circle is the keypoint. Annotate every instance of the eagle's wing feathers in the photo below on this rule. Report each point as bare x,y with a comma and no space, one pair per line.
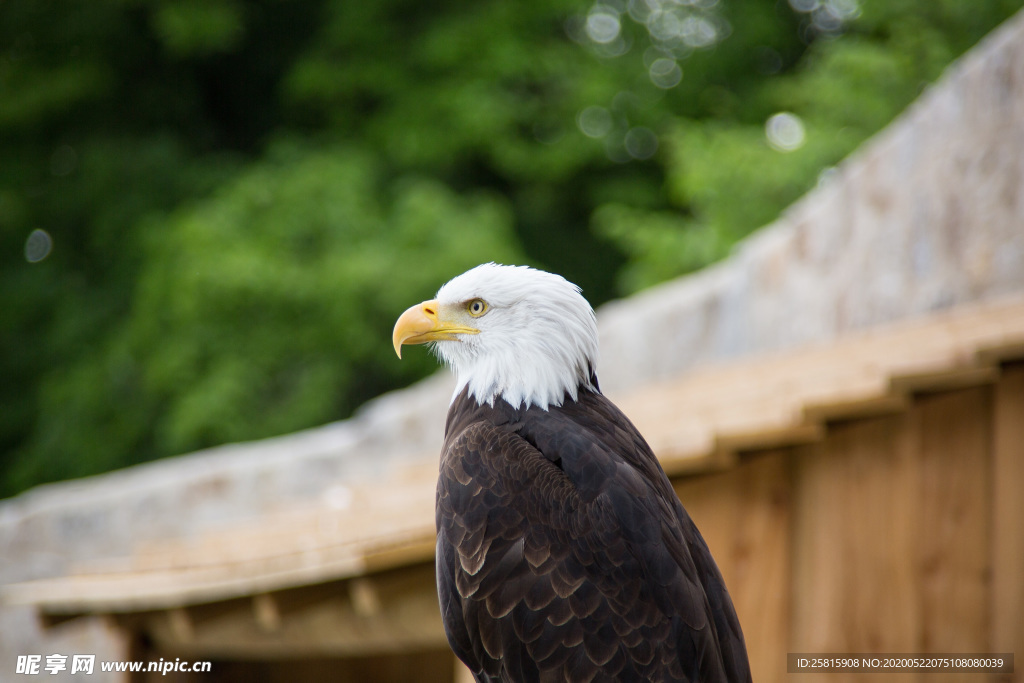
557,558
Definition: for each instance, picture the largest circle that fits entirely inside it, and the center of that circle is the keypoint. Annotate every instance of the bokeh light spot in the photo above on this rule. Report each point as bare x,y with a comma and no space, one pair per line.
594,122
665,73
639,10
698,32
804,5
38,246
825,21
785,132
641,143
603,26
664,25
845,10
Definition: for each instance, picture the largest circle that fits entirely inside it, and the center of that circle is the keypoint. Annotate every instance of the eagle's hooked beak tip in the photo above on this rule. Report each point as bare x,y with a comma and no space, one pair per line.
415,325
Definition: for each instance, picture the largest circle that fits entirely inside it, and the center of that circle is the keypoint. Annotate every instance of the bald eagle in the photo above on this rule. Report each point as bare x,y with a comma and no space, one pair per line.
563,553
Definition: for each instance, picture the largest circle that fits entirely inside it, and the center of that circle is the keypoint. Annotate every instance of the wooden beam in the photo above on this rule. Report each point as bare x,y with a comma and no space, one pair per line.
47,620
770,437
179,624
851,408
266,612
945,379
391,611
362,591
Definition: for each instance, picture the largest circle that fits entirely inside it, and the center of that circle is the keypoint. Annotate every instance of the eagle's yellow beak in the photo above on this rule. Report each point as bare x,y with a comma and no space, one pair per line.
423,323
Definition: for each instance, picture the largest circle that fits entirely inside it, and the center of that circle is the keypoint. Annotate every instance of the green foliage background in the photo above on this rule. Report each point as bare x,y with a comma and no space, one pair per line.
242,196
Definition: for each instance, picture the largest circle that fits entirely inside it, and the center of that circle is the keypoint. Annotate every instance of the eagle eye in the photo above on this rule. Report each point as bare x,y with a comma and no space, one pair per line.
477,307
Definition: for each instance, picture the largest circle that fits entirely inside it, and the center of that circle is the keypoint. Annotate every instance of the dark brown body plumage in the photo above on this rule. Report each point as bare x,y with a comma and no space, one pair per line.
563,554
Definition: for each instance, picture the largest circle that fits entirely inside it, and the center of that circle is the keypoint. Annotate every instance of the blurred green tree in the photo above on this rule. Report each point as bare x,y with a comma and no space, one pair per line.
242,195
262,309
865,62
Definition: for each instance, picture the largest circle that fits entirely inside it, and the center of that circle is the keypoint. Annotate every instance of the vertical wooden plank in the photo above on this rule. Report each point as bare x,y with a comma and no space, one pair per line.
953,538
1008,516
744,515
760,563
854,526
137,649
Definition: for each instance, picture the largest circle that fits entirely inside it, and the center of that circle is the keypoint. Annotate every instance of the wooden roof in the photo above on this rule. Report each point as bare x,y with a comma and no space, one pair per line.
698,422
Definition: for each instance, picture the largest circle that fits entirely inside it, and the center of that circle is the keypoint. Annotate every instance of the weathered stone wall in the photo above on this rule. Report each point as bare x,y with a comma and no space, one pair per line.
927,215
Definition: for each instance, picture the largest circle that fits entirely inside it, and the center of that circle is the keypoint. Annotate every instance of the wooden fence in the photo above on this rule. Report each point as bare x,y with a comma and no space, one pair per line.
900,533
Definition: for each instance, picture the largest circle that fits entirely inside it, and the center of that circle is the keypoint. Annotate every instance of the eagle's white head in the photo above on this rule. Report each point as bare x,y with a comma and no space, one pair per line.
509,332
